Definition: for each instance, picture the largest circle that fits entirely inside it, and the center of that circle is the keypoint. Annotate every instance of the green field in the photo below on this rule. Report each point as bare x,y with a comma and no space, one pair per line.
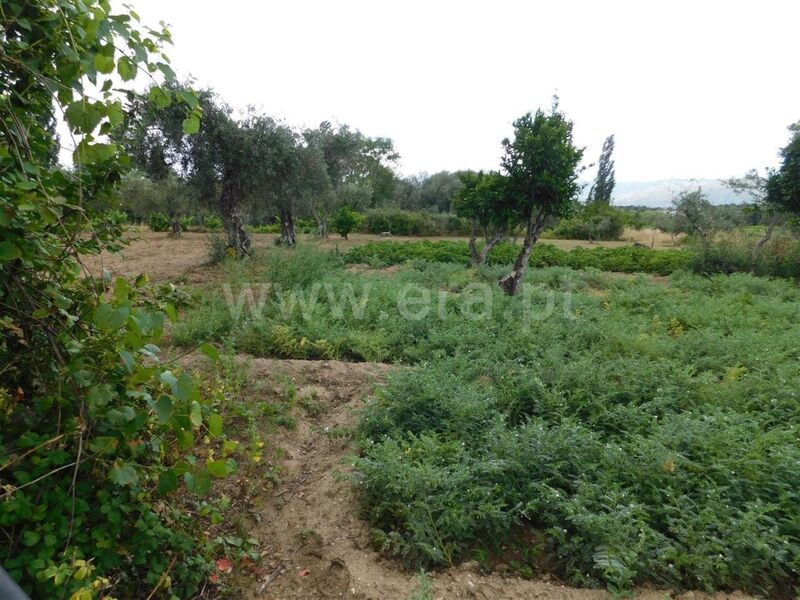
611,429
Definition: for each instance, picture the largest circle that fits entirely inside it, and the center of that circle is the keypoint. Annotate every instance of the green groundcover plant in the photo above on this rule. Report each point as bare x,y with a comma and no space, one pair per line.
642,431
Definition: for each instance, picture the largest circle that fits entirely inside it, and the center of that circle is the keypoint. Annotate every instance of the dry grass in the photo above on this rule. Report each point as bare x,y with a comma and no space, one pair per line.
163,257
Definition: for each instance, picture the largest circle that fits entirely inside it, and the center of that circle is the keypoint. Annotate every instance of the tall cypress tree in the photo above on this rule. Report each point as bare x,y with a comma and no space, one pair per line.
603,186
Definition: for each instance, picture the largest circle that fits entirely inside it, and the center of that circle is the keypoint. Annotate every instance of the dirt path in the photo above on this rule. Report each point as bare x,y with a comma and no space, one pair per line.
314,542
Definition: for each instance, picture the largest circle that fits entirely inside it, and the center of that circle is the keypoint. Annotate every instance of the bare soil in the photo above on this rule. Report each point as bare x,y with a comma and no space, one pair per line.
315,545
166,258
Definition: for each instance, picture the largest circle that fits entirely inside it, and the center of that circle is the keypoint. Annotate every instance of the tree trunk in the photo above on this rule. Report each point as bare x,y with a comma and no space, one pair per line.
762,242
511,282
475,257
489,243
288,237
238,238
322,225
176,227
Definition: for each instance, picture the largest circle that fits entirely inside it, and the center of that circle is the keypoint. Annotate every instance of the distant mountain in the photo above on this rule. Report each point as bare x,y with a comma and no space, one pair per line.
657,194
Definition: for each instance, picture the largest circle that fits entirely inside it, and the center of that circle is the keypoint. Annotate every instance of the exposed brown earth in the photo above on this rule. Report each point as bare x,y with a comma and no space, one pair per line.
315,544
164,258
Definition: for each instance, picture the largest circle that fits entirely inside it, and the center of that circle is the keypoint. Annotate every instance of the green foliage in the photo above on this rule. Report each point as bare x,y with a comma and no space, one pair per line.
732,252
346,220
158,221
603,186
212,223
638,441
595,222
542,164
783,186
648,434
217,251
94,428
398,222
628,259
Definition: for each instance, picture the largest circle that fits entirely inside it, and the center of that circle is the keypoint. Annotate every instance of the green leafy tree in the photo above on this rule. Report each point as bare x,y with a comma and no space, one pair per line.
694,215
783,186
224,160
603,186
358,169
484,200
542,165
94,428
438,190
346,221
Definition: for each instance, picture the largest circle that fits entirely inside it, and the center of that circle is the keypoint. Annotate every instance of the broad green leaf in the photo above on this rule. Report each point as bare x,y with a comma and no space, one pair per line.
159,97
123,473
199,482
107,318
8,251
167,481
191,124
99,396
84,116
89,153
30,538
169,379
196,416
171,312
104,64
215,425
190,98
164,409
218,468
185,439
115,114
210,351
126,68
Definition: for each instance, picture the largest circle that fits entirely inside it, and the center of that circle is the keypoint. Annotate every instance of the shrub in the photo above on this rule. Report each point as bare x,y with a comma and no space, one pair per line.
95,430
606,223
217,251
398,222
212,223
627,259
187,222
159,222
346,220
272,228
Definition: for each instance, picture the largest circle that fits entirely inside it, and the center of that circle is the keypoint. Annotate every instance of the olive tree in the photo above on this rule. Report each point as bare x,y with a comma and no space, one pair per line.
542,163
358,170
695,216
224,161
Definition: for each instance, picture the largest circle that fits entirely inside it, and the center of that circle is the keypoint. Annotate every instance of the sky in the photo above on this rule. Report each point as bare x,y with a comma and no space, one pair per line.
690,89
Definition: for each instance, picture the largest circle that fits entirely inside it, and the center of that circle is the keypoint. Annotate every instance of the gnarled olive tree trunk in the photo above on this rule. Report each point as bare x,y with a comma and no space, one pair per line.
238,238
288,237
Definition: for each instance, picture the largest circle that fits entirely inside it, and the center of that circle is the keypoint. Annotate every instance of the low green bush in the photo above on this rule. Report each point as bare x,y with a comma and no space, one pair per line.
212,223
413,223
271,228
733,253
187,222
607,223
398,222
159,222
628,259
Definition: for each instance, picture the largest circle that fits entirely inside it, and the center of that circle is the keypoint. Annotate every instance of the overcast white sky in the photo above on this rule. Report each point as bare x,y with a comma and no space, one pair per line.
689,88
